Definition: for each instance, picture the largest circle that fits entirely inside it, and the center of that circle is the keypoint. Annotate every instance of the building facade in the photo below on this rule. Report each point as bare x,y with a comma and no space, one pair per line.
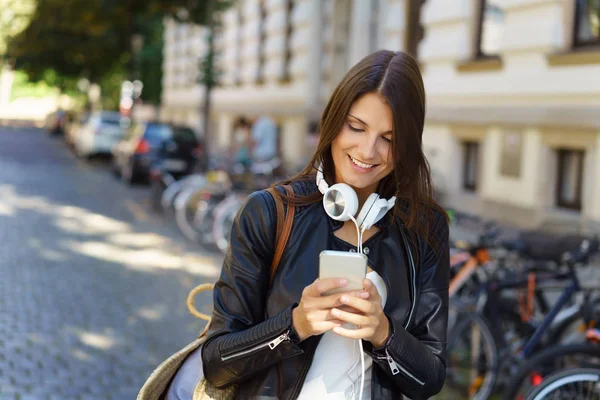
513,86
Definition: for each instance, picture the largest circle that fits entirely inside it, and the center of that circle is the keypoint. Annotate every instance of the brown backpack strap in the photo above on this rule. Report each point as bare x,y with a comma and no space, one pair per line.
284,227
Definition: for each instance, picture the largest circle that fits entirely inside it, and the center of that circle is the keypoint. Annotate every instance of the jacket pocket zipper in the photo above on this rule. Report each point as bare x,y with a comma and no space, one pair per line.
396,368
271,345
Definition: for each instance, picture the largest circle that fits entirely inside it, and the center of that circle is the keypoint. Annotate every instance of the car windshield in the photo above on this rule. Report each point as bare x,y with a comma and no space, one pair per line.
181,134
156,134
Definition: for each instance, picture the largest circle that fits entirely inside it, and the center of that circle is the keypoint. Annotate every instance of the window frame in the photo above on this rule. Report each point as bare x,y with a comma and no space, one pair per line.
467,185
479,54
576,204
577,43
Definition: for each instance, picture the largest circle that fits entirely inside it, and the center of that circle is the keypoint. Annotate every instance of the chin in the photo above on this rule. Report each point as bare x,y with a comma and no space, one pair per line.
359,182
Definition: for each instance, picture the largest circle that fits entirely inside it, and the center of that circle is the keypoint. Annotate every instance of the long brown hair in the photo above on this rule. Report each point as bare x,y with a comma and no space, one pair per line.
396,78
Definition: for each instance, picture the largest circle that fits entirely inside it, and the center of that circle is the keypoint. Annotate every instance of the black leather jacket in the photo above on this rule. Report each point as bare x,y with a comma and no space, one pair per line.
251,341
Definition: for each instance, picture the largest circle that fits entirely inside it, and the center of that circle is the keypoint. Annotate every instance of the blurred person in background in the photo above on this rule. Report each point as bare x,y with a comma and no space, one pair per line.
264,139
242,142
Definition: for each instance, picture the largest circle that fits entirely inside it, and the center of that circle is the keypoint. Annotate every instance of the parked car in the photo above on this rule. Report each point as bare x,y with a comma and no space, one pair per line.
173,149
97,134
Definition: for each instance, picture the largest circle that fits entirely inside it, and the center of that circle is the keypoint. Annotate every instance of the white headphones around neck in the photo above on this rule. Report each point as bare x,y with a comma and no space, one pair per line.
341,203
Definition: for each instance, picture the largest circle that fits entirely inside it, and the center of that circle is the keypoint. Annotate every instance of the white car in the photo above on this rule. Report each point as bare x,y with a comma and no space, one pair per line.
99,134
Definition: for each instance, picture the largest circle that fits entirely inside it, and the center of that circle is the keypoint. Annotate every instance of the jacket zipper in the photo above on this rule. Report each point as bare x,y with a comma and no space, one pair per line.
271,345
396,368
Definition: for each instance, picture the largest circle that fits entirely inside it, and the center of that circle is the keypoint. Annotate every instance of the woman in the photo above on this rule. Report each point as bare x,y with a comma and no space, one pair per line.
370,139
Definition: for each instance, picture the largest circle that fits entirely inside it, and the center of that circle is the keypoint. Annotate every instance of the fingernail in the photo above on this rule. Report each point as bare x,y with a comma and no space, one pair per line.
343,282
335,312
344,299
364,295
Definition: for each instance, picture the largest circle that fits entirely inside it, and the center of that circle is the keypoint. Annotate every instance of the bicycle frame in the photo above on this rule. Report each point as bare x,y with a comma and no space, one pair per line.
529,347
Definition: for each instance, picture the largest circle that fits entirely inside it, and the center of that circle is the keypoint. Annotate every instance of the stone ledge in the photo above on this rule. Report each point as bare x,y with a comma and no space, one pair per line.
480,65
575,57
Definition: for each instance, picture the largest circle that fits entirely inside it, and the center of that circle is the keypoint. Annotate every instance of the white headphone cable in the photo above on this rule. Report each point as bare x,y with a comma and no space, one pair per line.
360,233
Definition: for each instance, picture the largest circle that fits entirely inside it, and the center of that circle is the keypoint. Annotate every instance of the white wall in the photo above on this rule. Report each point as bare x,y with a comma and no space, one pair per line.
595,185
443,152
532,30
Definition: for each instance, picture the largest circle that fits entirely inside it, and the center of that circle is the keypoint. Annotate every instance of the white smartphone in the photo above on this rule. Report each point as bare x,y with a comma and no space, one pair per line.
343,264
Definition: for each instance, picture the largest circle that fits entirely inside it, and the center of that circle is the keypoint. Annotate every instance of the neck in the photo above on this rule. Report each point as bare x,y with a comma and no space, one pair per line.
364,193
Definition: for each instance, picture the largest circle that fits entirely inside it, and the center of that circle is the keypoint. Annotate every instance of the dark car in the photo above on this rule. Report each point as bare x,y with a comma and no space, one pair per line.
145,145
57,121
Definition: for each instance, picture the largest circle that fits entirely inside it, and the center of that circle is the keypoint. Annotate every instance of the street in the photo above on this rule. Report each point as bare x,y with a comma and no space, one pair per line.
92,283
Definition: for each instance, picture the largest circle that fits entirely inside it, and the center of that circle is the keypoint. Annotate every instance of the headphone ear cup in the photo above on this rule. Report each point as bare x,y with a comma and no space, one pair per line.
364,217
340,202
381,207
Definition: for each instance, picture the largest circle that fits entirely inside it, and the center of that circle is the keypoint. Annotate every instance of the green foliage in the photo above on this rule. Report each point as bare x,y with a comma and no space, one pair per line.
22,87
14,17
69,39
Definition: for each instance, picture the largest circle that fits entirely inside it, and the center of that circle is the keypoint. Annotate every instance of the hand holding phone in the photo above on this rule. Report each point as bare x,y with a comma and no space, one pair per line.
313,314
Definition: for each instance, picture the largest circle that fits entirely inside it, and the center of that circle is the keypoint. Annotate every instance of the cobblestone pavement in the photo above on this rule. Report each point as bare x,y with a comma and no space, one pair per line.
92,284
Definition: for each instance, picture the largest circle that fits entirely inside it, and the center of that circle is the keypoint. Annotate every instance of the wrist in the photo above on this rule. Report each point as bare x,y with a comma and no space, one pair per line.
297,326
382,335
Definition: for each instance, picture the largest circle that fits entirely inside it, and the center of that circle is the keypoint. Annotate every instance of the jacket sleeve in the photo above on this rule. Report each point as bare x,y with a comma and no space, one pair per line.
240,341
415,359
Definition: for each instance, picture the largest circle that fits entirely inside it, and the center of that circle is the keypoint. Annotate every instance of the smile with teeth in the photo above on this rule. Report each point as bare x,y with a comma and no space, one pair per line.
360,164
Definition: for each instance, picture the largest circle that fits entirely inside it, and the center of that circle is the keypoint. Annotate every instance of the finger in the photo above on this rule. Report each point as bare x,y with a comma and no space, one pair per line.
318,316
322,327
349,309
333,300
318,287
361,333
370,287
362,305
356,319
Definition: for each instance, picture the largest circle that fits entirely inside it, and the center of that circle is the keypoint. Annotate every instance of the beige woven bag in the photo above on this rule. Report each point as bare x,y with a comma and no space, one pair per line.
157,383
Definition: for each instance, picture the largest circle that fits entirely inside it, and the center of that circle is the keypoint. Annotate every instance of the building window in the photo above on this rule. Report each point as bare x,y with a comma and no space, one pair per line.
239,45
489,29
262,36
587,23
470,165
287,55
569,178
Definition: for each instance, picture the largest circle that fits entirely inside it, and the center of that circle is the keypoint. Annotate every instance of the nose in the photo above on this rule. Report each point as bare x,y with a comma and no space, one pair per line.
367,149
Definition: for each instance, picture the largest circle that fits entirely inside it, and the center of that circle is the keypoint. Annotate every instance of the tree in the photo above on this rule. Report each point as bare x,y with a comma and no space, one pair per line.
14,17
92,38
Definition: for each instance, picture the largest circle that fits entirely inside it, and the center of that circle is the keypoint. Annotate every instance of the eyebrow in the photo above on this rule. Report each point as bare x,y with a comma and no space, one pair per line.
364,123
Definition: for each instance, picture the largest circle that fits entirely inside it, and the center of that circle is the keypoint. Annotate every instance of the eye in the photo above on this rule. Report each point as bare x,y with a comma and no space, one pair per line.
354,129
387,139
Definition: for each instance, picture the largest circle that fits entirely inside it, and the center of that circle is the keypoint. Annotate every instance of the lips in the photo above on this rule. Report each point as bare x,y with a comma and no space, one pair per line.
360,164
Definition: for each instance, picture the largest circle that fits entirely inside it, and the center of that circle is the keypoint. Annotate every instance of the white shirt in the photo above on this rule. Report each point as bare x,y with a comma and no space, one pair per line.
335,370
264,133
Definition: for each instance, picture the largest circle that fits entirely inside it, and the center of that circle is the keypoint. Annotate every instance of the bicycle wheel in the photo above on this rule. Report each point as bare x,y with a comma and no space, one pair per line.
223,221
574,384
169,195
531,372
472,359
188,204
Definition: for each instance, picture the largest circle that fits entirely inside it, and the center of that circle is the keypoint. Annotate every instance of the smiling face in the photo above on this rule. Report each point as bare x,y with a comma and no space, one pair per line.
362,150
